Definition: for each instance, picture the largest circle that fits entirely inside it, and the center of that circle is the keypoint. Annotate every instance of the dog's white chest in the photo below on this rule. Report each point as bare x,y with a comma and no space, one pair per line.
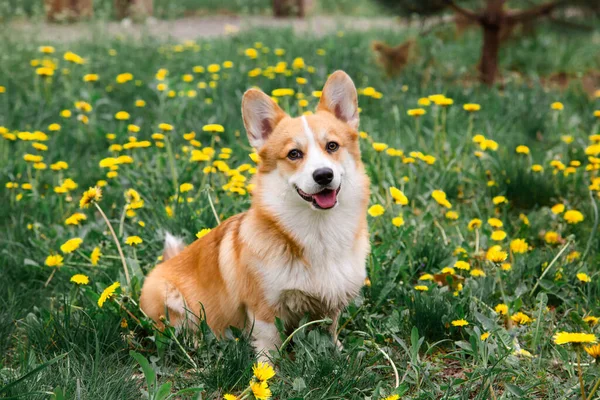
332,278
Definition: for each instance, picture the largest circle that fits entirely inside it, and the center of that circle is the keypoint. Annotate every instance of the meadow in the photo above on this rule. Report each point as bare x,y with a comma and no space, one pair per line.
483,216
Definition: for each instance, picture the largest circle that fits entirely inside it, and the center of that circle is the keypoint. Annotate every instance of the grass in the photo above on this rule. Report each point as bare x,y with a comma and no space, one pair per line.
58,342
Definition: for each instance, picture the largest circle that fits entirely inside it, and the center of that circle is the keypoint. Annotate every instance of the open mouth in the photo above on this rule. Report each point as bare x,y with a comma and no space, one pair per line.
324,200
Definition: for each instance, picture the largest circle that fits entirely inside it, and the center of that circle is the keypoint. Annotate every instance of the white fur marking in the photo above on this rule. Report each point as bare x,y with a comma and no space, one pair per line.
173,246
265,338
315,159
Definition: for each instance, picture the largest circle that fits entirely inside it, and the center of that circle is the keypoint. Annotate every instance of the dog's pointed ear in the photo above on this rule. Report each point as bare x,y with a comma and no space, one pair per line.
339,98
261,115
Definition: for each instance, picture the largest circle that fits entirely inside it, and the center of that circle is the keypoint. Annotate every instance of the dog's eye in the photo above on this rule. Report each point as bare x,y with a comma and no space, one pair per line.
294,154
332,146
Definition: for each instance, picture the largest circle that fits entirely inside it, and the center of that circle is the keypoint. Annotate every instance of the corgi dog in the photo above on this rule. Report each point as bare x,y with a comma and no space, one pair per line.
302,246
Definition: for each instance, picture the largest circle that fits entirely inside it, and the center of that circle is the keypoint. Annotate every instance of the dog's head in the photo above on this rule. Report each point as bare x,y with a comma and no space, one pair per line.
312,157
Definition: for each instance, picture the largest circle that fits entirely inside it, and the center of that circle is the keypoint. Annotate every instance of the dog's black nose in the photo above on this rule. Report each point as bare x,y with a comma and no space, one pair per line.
323,176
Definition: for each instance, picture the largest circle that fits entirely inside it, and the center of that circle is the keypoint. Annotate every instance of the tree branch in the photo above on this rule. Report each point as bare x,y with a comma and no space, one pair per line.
534,12
463,11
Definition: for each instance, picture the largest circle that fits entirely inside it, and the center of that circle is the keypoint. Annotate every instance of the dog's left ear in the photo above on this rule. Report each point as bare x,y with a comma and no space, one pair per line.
339,98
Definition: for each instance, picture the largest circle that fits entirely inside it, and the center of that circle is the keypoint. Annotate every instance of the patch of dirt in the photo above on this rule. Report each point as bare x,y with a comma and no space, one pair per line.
194,27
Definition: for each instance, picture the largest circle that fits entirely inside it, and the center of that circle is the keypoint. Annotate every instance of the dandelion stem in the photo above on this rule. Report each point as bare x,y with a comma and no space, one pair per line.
580,374
550,266
50,277
437,224
391,363
174,337
212,206
114,235
594,229
318,321
594,390
122,222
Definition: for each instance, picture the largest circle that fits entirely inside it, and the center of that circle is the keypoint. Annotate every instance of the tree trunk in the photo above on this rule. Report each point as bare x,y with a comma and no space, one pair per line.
491,21
287,8
61,10
488,65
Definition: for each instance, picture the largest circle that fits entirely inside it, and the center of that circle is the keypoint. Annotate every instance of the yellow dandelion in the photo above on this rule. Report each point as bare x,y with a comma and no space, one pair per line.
496,254
398,221
75,219
133,240
165,127
453,215
521,318
416,112
460,322
260,390
213,128
593,351
552,237
93,194
122,115
379,147
475,223
495,223
478,273
498,236
54,260
202,233
471,107
484,336
440,197
71,245
95,256
574,338
376,210
185,187
108,293
522,149
462,265
573,256
501,309
519,246
573,217
421,288
80,279
398,196
263,371
583,277
448,270
537,168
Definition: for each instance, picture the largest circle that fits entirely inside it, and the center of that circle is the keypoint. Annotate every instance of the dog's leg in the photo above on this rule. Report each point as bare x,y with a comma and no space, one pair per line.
265,338
333,328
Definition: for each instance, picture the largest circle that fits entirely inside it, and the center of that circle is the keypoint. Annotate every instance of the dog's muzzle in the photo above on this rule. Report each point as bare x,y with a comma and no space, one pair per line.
324,200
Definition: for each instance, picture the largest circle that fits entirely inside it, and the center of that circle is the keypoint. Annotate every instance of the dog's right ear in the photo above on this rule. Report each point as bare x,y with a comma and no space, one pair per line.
261,115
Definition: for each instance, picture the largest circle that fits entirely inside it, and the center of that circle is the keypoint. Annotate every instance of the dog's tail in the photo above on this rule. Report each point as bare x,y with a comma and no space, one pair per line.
173,246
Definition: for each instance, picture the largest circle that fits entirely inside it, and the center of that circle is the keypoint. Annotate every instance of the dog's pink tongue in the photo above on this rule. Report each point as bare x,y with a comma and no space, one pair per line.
326,199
